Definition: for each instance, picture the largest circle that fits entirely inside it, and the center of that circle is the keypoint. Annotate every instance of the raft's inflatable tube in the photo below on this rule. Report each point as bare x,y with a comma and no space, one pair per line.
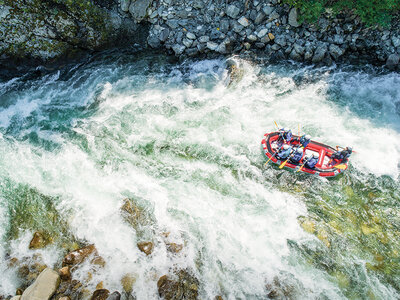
269,145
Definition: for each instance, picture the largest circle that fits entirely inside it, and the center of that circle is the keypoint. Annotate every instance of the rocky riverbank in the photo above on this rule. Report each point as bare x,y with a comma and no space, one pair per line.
196,28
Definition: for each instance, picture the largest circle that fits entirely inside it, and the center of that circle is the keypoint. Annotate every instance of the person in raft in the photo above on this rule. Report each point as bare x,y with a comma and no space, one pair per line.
284,152
285,135
297,155
312,160
305,140
342,156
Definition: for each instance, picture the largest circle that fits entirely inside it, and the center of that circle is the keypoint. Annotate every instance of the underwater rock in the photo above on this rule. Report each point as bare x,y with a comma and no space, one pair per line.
174,248
114,296
146,247
38,241
101,294
127,282
65,273
44,286
78,256
186,287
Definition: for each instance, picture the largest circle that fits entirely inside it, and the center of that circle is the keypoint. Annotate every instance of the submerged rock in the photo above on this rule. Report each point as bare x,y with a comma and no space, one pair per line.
101,294
114,296
38,241
127,282
185,287
146,247
78,256
65,273
43,287
392,61
174,248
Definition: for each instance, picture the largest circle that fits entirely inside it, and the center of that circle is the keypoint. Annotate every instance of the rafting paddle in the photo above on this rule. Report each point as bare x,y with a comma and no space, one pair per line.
284,163
303,165
341,167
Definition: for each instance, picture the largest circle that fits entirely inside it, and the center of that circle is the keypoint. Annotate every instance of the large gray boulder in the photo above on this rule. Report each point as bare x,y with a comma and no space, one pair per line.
392,61
44,286
138,9
293,18
125,5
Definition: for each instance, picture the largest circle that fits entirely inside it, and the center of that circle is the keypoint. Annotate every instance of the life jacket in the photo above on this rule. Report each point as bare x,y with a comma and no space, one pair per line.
285,135
303,141
284,153
311,162
296,157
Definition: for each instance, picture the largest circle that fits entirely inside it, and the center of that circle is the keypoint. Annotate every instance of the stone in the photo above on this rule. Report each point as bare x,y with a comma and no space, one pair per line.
232,11
319,53
212,46
335,51
247,45
294,55
164,33
293,18
273,16
44,286
265,39
153,41
173,24
281,41
125,5
19,292
396,41
16,297
78,256
187,42
262,32
114,296
259,18
252,38
178,49
185,287
392,61
100,285
244,21
101,294
221,49
65,273
175,248
190,36
64,298
145,247
268,10
127,282
204,39
271,36
138,9
38,241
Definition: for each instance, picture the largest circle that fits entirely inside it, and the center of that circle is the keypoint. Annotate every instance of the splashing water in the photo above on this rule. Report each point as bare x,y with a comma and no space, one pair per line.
184,143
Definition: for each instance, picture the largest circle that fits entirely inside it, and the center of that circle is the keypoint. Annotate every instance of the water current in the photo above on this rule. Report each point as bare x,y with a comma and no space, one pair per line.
182,140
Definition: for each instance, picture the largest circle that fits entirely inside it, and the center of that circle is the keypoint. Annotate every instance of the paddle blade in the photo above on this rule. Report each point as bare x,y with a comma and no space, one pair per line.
341,167
283,164
276,125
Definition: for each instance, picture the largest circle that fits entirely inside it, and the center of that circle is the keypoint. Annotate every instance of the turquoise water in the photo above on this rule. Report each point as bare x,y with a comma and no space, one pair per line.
184,143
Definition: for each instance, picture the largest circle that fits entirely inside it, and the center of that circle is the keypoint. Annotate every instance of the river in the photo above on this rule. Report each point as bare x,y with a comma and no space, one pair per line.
183,142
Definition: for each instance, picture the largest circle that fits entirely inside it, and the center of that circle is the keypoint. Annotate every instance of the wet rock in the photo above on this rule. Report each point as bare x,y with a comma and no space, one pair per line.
114,296
335,51
78,256
125,5
127,282
262,32
44,286
392,61
178,49
396,41
319,53
100,285
244,22
146,247
138,9
190,36
186,287
259,18
101,294
232,11
19,292
204,39
38,241
174,248
293,18
271,36
212,45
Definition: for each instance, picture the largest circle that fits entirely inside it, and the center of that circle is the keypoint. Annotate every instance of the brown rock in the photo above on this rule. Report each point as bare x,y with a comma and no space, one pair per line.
173,247
146,247
100,286
23,271
78,256
19,292
12,262
65,273
64,298
127,282
101,294
218,298
186,287
38,241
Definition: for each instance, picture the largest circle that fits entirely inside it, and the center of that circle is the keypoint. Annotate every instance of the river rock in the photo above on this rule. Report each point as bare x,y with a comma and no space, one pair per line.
146,247
232,11
271,36
114,296
396,41
259,18
292,20
178,49
44,286
335,51
262,32
392,61
38,241
65,273
204,39
244,22
125,5
101,294
212,45
78,256
319,53
190,36
127,282
174,248
186,287
138,9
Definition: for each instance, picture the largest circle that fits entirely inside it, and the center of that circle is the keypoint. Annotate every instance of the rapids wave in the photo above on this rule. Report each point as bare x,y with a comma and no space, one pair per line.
186,146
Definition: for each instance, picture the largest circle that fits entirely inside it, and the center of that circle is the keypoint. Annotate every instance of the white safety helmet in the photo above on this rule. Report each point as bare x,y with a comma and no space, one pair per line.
350,148
285,129
299,150
285,147
308,137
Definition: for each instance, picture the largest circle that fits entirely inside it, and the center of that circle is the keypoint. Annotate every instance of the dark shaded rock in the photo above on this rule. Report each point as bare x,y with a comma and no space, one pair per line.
335,51
319,53
185,287
138,9
392,61
101,294
114,296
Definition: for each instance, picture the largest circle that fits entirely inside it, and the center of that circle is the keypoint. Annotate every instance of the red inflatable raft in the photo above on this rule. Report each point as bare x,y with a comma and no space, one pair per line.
269,145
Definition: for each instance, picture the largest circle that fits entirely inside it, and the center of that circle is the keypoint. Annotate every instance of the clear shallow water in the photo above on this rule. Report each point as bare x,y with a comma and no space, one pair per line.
185,145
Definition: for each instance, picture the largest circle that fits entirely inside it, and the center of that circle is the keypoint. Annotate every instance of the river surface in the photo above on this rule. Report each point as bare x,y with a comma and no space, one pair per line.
182,140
